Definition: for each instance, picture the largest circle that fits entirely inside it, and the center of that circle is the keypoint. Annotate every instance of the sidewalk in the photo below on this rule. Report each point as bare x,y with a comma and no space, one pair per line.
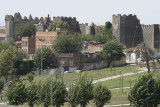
118,105
118,76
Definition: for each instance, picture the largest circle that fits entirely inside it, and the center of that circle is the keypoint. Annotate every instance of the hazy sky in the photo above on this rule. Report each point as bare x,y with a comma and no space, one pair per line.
86,11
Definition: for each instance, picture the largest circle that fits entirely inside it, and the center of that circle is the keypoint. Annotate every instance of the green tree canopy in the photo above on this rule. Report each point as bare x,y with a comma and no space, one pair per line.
108,26
1,84
8,58
30,77
16,94
73,95
62,25
31,92
105,35
67,44
85,90
112,51
101,95
58,91
145,92
24,30
47,57
6,45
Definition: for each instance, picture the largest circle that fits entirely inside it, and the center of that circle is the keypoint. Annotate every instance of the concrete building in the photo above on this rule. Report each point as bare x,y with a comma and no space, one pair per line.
2,33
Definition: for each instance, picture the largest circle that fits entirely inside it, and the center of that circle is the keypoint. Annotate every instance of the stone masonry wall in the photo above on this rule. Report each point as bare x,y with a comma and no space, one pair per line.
130,33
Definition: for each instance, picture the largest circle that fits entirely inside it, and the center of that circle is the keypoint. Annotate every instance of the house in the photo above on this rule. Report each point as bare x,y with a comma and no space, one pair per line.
28,45
48,37
2,33
89,58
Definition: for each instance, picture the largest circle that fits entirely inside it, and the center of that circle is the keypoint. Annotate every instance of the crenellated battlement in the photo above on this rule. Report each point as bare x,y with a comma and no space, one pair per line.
128,30
125,16
149,26
9,18
41,23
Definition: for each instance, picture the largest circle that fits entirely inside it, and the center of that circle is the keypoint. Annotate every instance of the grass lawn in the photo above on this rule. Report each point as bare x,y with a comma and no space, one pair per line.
118,97
95,74
122,98
127,81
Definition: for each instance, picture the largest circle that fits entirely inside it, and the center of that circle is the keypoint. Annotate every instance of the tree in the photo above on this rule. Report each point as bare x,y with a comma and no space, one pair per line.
30,77
112,51
146,53
73,95
4,46
31,92
58,91
1,86
87,37
144,92
24,30
67,44
105,35
101,95
62,25
16,94
47,57
57,73
8,58
157,90
85,90
108,26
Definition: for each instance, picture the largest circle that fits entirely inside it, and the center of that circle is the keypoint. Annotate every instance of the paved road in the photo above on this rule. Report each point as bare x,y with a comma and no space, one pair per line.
142,70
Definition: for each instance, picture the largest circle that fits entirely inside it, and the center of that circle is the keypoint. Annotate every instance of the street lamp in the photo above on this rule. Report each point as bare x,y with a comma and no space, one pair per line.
41,39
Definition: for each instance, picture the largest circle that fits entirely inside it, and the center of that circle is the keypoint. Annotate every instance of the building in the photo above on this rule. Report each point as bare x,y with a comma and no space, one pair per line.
48,37
28,45
129,32
2,33
67,61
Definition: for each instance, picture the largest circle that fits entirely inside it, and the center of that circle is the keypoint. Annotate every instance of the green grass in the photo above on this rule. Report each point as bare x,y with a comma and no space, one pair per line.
127,80
117,96
95,74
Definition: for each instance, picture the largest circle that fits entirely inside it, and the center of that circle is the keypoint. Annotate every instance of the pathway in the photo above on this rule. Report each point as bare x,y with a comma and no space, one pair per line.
142,70
118,105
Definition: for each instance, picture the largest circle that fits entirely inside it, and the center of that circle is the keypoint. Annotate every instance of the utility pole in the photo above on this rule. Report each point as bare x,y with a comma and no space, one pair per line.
120,80
122,83
51,92
4,91
41,39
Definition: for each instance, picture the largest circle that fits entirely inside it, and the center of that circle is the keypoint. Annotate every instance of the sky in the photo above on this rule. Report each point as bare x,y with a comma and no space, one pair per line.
86,11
